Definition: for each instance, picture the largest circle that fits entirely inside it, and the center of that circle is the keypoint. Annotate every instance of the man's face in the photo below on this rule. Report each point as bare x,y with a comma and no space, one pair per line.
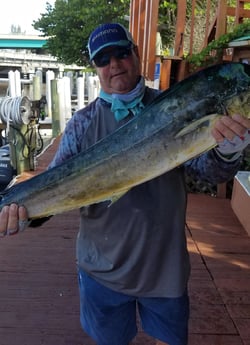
122,69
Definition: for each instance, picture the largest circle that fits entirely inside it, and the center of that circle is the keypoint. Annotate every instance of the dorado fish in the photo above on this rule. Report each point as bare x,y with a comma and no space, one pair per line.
174,128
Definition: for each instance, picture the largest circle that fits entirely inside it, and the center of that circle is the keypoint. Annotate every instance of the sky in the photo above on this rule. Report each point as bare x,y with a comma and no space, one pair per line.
21,12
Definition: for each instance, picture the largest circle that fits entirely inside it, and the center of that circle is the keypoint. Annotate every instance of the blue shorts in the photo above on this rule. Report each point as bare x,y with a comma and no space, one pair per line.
109,317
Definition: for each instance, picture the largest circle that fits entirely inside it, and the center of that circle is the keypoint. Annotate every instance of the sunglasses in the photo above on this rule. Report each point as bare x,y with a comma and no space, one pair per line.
103,59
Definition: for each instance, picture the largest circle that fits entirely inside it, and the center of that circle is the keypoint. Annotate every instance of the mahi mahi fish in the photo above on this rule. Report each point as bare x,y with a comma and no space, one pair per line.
174,128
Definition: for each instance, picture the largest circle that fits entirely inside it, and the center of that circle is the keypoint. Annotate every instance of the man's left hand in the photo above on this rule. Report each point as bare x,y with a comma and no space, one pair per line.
232,134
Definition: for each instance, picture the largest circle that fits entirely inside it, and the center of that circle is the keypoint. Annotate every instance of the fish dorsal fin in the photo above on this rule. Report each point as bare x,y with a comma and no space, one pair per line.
198,124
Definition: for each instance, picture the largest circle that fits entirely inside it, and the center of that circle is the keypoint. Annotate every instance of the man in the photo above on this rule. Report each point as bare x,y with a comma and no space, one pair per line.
132,255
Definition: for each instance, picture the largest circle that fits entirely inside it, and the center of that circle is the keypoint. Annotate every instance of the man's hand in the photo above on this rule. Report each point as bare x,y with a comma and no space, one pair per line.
232,134
13,219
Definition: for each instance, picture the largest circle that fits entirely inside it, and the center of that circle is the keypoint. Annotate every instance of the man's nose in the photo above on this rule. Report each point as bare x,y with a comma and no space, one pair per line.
114,60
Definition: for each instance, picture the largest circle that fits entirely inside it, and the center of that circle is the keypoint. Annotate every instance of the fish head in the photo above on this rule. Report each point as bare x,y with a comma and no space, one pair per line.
239,104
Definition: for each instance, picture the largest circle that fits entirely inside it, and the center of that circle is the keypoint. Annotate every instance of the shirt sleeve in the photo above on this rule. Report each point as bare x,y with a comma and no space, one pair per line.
70,144
209,167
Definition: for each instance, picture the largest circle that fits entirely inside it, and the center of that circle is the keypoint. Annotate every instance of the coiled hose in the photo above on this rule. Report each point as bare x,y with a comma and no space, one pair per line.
15,110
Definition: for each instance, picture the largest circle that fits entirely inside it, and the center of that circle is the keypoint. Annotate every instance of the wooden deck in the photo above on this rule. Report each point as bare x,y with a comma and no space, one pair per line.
39,292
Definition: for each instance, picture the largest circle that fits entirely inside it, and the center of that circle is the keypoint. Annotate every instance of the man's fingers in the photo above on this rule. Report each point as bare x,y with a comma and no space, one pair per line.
12,226
13,219
23,218
227,127
245,122
4,216
22,213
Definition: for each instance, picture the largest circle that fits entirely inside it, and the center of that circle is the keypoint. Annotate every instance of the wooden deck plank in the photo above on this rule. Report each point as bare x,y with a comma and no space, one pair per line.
39,292
224,249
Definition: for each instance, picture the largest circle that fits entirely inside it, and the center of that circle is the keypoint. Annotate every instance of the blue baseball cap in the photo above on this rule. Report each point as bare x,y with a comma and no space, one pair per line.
111,34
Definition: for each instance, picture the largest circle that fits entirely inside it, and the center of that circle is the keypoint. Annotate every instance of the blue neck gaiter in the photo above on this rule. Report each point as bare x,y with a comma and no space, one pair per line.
121,104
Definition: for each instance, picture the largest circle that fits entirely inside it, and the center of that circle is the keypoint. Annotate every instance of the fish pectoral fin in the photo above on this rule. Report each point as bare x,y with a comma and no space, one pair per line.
116,197
198,125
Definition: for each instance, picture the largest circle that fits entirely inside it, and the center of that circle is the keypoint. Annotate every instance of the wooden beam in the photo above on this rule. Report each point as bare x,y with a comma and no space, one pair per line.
208,7
165,74
180,27
221,19
245,13
218,25
133,21
152,22
192,28
143,26
211,31
239,13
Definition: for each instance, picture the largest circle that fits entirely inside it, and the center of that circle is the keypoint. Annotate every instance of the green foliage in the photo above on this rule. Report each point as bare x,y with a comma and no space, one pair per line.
212,53
167,21
69,23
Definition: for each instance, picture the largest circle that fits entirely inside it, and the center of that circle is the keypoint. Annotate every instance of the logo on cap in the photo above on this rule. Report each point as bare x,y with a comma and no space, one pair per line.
107,35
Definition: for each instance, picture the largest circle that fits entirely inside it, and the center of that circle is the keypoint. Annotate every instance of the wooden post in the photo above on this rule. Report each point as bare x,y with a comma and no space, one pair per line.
180,27
207,22
182,71
143,26
165,74
221,19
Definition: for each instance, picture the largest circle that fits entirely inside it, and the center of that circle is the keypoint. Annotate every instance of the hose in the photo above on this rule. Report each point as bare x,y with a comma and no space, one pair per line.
15,110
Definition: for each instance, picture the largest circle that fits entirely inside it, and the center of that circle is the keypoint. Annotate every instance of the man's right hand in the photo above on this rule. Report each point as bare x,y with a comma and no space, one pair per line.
13,218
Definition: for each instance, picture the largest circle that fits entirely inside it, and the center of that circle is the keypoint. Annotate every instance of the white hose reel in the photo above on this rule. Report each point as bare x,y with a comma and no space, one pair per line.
15,110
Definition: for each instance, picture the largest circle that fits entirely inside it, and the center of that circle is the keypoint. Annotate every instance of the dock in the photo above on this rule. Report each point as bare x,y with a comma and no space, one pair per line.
39,302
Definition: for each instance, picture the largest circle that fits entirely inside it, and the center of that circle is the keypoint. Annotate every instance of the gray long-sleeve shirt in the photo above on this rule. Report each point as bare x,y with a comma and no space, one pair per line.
137,245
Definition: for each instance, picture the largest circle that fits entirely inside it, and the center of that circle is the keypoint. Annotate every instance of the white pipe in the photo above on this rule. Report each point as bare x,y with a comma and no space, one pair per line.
18,84
61,99
12,84
37,94
93,88
80,92
67,97
49,76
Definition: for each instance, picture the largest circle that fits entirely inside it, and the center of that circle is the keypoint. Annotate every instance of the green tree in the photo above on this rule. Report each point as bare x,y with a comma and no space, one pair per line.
69,23
167,21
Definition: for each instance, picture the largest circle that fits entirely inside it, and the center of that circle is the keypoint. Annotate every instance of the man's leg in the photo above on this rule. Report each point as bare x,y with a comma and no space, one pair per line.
108,317
165,319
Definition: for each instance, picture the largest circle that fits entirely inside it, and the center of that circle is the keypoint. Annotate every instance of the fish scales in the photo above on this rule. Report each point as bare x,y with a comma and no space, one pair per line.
173,129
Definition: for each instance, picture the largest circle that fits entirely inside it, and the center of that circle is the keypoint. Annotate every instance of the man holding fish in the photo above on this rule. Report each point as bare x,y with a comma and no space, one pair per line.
131,253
